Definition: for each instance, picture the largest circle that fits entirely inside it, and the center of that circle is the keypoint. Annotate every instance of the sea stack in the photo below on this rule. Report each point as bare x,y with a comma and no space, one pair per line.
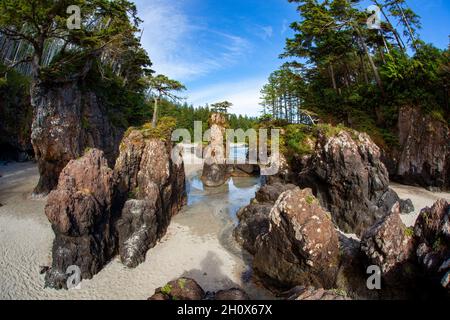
216,171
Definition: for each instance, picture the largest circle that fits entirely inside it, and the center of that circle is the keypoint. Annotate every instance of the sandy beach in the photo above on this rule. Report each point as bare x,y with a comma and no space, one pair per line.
198,243
420,197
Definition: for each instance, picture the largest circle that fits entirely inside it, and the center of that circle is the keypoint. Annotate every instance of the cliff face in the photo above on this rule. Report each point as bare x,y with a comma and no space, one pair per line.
423,155
68,121
16,116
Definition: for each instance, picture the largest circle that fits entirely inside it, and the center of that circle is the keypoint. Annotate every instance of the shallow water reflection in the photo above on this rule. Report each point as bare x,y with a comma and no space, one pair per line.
225,200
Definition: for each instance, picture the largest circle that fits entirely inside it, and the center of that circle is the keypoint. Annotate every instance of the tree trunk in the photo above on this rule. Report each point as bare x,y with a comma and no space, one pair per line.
380,50
411,33
348,74
155,113
333,79
274,109
385,43
372,63
394,31
363,67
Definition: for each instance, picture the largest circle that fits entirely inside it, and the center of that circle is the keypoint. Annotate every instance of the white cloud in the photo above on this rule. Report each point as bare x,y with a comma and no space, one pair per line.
184,49
243,94
284,27
262,32
268,31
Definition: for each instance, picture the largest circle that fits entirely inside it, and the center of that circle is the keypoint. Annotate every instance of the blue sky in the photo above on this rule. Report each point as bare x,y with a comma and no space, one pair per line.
226,49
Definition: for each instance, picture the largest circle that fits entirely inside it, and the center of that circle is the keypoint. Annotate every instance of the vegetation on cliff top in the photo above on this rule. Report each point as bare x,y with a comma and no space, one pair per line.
104,57
345,72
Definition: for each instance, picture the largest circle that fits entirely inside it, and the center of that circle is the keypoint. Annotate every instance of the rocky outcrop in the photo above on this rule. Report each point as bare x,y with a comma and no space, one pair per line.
423,153
96,212
234,294
68,121
352,276
414,263
347,176
182,289
432,237
254,219
388,244
390,198
150,187
187,289
80,213
310,293
270,193
253,222
216,171
301,246
245,170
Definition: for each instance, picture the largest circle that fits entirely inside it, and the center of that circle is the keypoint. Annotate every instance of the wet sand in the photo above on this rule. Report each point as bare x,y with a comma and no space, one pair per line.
198,244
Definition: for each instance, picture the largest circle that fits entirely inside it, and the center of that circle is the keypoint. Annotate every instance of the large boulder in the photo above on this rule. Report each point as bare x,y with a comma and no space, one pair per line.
253,222
414,262
388,244
347,176
432,236
67,121
245,170
80,213
301,246
352,276
188,289
423,153
150,187
303,293
269,193
254,219
184,289
234,294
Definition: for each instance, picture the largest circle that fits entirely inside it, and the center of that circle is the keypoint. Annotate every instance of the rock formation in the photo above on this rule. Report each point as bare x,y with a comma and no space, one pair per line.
80,213
254,219
188,289
388,244
432,237
423,153
347,176
352,276
414,262
67,121
151,189
97,211
234,294
245,170
180,289
216,171
301,246
310,293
